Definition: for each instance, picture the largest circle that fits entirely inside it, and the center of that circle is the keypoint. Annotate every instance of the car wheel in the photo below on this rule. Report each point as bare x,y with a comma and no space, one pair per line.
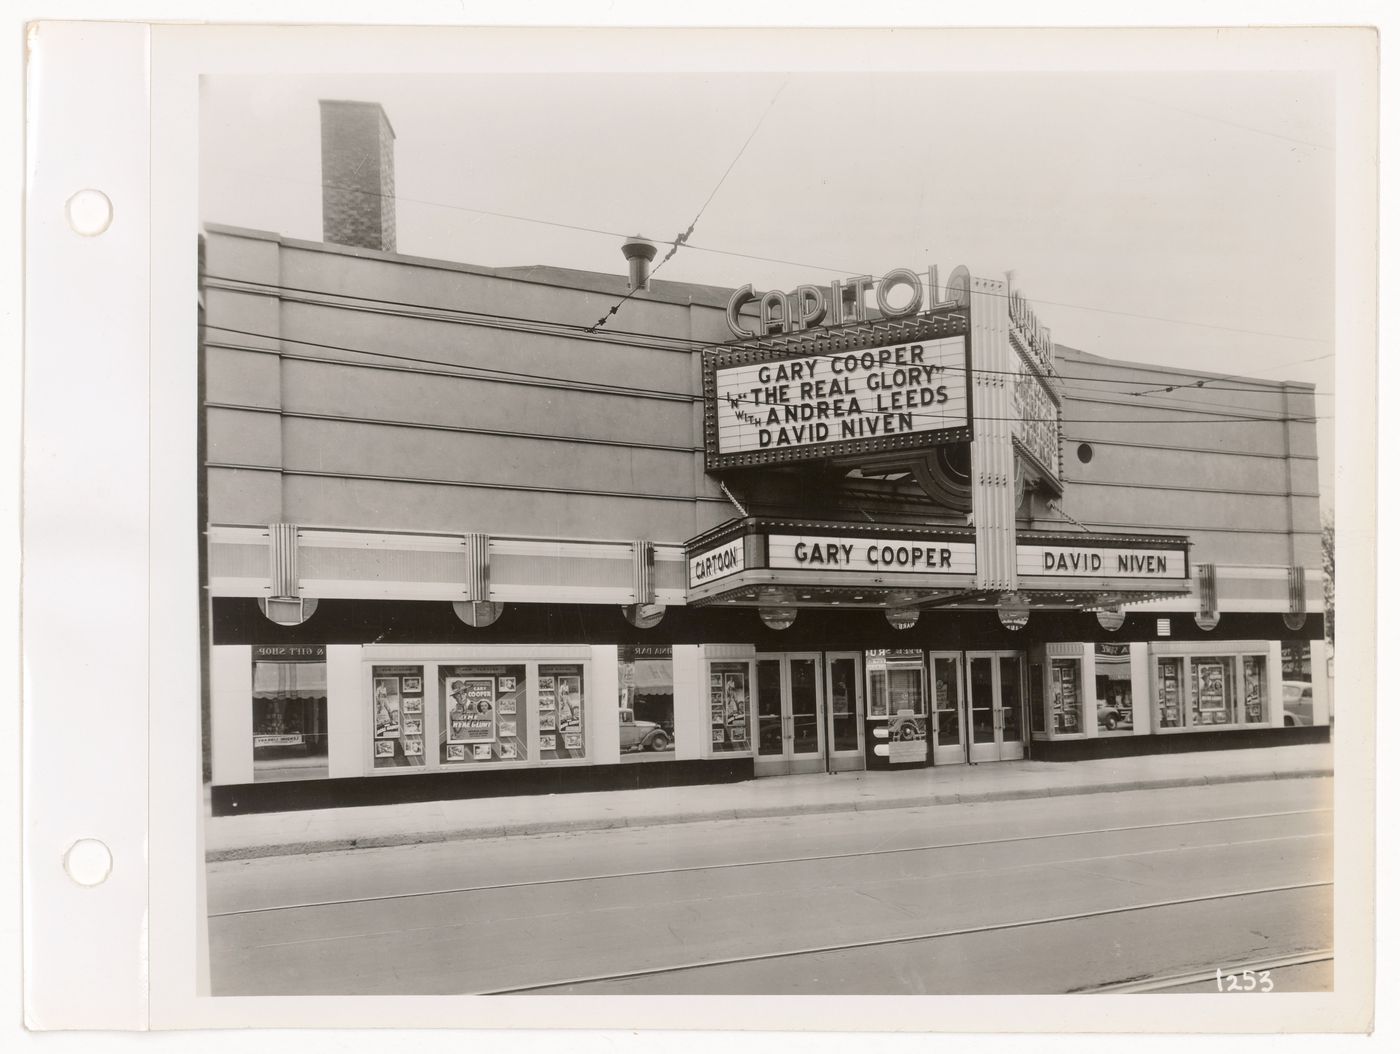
1110,722
659,741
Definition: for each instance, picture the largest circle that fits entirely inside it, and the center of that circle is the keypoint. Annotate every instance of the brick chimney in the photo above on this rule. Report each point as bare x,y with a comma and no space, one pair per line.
357,175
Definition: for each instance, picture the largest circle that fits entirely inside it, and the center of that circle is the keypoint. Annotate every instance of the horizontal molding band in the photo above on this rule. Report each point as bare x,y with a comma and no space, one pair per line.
1234,414
419,481
476,373
1178,528
1217,451
1192,490
451,316
1079,357
467,429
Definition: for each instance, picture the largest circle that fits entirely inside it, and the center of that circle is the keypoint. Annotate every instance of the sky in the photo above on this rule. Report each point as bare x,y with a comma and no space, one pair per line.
1173,218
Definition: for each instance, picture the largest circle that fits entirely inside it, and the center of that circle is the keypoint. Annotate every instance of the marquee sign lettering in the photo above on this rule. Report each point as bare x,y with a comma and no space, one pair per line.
871,555
1072,561
1036,425
810,306
768,408
716,563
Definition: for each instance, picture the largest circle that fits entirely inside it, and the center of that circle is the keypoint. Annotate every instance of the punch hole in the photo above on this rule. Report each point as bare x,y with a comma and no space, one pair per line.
88,862
89,212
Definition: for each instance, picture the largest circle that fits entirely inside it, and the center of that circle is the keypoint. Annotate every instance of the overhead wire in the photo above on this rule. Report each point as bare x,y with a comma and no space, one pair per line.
489,373
684,236
546,327
797,263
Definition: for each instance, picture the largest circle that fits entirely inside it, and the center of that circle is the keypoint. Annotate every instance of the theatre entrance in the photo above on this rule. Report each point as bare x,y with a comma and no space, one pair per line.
810,706
995,706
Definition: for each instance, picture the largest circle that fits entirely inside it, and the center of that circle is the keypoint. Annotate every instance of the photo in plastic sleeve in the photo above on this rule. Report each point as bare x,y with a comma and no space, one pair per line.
573,740
736,703
507,750
456,752
386,708
507,729
506,684
413,686
412,725
413,704
413,746
481,751
506,703
384,748
567,693
546,692
547,721
471,709
547,742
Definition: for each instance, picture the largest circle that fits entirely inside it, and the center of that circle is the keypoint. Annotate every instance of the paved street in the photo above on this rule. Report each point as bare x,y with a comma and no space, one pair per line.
1046,895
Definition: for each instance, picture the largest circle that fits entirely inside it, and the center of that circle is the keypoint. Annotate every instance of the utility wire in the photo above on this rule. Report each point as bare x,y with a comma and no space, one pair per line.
684,236
793,263
545,327
491,373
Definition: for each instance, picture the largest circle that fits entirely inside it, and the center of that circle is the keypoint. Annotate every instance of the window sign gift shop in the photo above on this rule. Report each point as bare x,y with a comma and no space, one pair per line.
923,532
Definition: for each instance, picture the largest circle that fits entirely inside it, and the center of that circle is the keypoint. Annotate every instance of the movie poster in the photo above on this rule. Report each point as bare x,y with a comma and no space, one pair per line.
386,708
1210,692
569,698
471,706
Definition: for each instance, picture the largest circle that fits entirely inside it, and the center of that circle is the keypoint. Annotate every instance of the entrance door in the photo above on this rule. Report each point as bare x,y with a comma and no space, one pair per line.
994,706
948,745
845,729
791,720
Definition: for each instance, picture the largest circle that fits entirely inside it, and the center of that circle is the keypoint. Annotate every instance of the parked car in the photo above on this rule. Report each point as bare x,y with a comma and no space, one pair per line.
1297,703
1110,717
641,735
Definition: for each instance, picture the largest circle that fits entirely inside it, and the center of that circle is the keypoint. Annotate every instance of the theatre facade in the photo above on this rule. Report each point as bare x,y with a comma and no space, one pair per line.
470,533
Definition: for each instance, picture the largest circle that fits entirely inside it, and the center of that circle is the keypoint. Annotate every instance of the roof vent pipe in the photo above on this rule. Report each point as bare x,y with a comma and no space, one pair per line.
639,253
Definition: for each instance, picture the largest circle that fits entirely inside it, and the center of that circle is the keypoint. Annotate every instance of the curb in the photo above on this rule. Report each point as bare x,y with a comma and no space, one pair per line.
544,827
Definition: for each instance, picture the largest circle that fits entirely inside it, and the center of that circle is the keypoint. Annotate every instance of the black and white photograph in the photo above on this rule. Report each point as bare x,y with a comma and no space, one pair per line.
1063,428
905,468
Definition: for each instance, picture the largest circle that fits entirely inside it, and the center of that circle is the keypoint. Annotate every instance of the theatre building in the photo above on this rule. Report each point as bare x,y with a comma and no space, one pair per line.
463,541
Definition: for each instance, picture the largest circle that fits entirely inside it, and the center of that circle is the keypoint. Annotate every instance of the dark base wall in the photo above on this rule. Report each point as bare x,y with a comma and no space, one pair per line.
237,620
286,796
1183,743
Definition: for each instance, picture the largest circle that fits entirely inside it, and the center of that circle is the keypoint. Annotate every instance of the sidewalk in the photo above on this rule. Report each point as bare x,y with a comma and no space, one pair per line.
290,833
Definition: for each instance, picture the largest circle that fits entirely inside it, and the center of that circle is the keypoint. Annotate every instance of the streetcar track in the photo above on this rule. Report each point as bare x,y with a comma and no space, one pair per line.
1165,982
846,854
438,927
879,942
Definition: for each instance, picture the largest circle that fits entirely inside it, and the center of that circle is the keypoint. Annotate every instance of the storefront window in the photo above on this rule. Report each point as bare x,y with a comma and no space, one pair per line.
1213,691
1171,711
482,714
289,713
896,692
1113,685
1065,697
1256,690
729,707
396,702
646,702
561,711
